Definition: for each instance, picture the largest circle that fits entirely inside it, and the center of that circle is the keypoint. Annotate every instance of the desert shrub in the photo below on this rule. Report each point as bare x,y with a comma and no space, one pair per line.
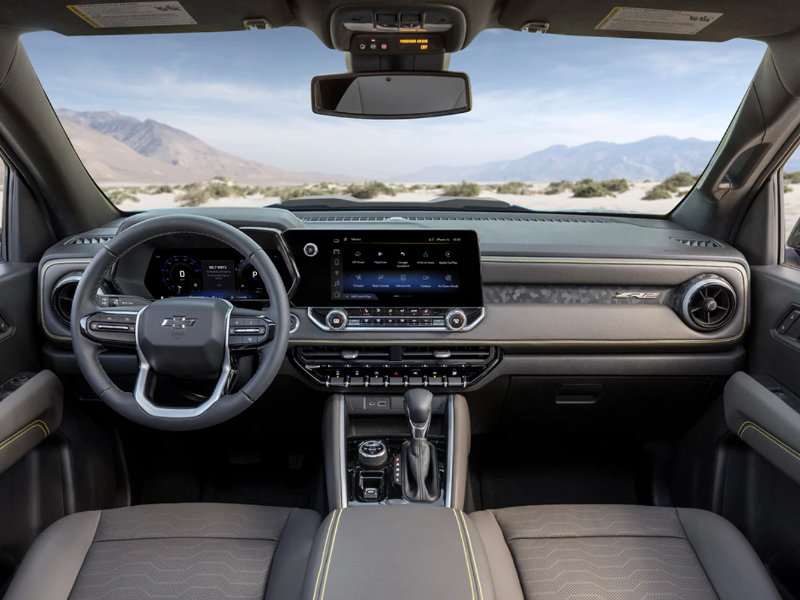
513,187
163,189
793,177
416,187
466,189
194,197
558,187
301,191
118,196
786,188
369,189
588,188
659,192
679,180
616,186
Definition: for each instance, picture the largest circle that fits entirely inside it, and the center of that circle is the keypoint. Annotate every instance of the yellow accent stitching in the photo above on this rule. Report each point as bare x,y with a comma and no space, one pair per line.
38,424
330,555
472,554
41,291
466,555
785,447
324,553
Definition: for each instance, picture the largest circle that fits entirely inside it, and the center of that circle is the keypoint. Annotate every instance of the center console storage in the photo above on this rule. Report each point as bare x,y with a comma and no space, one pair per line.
415,551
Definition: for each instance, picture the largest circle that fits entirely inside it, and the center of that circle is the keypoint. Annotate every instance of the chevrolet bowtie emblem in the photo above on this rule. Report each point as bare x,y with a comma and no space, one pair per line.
179,322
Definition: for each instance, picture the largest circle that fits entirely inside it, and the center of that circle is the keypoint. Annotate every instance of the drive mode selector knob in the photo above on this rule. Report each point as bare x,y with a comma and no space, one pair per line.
372,454
336,319
455,319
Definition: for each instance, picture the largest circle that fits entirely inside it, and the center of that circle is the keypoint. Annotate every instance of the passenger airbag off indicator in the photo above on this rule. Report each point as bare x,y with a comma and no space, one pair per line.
397,44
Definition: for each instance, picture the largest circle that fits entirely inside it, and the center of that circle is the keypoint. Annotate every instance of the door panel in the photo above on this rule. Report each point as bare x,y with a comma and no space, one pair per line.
18,338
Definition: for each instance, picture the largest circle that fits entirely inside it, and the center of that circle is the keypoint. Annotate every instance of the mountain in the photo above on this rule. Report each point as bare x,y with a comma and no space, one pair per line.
651,158
121,148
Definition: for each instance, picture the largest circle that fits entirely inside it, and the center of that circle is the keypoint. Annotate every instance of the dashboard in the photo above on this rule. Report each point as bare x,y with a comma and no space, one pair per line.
395,298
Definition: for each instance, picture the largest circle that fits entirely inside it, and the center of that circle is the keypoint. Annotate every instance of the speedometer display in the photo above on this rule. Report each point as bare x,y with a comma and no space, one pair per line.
181,275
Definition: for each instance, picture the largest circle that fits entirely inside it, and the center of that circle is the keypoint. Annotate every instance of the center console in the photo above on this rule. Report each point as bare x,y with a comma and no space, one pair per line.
396,449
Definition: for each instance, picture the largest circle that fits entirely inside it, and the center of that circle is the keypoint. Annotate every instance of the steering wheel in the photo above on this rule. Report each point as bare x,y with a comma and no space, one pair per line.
184,338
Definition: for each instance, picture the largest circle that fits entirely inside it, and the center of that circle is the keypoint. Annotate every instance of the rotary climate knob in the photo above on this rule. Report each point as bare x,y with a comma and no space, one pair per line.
336,319
372,454
455,319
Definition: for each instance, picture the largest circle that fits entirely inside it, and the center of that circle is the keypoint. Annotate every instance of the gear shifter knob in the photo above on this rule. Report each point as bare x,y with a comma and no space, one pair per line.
417,403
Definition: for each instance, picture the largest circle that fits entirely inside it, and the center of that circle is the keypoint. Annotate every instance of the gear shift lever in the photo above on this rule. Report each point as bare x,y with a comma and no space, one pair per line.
419,463
417,403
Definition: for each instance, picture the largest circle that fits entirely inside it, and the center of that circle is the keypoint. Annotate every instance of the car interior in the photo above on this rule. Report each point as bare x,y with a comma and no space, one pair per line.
456,399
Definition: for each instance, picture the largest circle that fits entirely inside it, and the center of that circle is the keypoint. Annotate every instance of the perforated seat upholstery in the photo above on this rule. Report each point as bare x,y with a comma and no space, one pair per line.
596,552
175,551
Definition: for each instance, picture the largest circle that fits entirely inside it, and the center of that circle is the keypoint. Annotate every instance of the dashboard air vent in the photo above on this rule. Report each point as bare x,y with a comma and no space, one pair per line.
82,240
452,353
698,243
708,304
314,354
499,218
62,296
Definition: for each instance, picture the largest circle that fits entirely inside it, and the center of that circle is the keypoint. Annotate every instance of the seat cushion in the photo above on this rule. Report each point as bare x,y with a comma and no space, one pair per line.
175,551
596,552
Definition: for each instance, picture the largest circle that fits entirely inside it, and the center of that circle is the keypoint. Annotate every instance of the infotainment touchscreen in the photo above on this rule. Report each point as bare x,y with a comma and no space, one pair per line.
387,268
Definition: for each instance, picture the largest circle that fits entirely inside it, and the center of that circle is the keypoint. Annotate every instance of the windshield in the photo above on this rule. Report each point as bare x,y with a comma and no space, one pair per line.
558,122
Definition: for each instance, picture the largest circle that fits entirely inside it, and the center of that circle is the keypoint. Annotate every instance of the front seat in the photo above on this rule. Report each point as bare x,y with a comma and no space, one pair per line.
596,552
176,551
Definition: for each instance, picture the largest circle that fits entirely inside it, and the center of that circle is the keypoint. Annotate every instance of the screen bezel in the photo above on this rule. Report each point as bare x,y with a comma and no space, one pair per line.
314,289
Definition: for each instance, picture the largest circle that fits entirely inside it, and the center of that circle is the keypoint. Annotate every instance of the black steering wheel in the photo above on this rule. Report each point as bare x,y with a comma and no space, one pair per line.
184,338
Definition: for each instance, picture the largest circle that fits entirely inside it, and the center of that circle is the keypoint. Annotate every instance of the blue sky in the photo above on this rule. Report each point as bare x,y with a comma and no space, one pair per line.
248,93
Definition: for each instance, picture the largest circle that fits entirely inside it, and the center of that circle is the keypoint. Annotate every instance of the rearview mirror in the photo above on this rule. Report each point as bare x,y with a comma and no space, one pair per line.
403,95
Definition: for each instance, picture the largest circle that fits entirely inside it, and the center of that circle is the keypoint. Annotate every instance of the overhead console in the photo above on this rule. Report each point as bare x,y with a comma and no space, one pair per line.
374,280
412,28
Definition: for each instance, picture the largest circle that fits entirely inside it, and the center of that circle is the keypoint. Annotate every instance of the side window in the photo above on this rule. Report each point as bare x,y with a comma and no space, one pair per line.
791,209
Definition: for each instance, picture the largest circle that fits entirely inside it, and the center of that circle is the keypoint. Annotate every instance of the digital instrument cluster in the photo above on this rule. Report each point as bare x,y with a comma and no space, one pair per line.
211,273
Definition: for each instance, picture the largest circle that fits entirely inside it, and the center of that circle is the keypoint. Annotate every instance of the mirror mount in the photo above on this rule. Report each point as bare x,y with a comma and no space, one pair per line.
372,63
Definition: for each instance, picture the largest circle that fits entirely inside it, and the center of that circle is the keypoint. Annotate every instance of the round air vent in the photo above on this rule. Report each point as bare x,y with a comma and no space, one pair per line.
709,303
63,293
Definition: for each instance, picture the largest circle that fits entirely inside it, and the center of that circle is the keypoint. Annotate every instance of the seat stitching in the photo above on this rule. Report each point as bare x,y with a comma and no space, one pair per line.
758,429
466,557
472,554
584,536
324,553
330,556
187,537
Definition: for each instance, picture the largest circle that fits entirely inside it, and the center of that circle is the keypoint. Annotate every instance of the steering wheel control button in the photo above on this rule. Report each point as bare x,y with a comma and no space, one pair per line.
246,331
310,250
455,319
336,319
